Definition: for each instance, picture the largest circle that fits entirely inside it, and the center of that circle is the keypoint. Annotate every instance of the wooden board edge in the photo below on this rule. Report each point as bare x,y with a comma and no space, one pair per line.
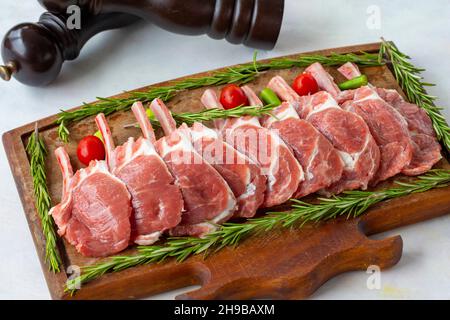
24,185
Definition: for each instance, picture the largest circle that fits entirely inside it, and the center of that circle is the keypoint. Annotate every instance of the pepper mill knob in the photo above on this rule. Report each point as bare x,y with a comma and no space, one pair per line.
7,70
31,55
34,52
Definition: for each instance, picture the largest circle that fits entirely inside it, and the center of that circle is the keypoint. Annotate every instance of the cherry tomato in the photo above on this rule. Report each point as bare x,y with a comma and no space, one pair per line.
232,96
90,148
305,84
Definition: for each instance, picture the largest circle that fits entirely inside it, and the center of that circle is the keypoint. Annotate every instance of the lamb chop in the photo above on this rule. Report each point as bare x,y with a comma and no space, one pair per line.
324,80
426,148
157,202
346,131
94,213
243,175
389,129
207,197
263,146
349,70
320,161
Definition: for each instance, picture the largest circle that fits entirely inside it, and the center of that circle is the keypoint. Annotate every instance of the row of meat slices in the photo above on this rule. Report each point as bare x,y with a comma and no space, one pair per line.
194,178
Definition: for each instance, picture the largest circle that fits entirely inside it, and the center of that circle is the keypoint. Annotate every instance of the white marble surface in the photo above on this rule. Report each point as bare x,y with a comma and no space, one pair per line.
144,54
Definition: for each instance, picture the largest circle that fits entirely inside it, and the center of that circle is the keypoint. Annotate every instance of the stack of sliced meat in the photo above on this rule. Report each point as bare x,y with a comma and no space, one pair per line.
194,178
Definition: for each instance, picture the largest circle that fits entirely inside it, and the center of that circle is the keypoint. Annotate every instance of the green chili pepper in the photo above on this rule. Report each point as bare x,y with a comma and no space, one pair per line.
269,97
354,83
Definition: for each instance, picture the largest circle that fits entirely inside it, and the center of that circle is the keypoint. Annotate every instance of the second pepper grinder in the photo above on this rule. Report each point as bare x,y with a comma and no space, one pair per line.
34,52
255,23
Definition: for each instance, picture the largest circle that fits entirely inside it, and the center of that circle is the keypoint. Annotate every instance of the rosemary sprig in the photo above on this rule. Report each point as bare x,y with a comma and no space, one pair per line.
351,204
212,114
410,79
36,151
241,74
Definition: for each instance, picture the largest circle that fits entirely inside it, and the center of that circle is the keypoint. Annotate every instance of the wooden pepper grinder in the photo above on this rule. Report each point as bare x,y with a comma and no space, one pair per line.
255,23
34,52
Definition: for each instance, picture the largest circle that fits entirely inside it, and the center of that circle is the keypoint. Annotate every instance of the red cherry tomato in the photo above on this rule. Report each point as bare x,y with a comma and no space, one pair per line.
305,84
90,148
232,96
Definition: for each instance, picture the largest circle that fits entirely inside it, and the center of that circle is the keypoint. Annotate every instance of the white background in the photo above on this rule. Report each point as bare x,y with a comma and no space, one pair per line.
143,54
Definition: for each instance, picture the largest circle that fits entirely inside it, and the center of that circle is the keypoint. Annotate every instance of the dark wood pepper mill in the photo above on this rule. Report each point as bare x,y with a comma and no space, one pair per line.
34,52
255,23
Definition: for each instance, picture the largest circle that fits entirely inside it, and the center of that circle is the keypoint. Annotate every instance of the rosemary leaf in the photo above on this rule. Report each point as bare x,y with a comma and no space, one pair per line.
410,79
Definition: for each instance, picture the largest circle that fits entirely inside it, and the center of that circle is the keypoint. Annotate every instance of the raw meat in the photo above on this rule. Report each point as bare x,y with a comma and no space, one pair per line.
157,202
320,161
263,146
208,199
346,131
426,148
349,70
324,80
94,213
242,174
389,129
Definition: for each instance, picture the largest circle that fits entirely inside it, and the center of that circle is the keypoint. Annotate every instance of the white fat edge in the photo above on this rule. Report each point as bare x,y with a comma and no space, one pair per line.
211,228
148,239
351,159
329,104
146,148
231,207
281,143
274,162
184,144
129,149
231,204
373,96
286,113
249,191
246,121
309,174
204,133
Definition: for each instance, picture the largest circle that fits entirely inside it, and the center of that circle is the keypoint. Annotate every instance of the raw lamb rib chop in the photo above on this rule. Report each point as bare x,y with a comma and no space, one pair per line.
94,213
320,161
208,199
426,148
157,203
324,80
242,174
349,70
347,131
263,146
389,129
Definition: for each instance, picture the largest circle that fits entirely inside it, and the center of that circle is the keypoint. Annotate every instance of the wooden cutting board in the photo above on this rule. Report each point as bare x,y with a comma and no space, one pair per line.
285,264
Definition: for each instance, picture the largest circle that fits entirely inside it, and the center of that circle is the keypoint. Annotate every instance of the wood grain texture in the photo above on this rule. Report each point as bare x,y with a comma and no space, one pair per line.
283,264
